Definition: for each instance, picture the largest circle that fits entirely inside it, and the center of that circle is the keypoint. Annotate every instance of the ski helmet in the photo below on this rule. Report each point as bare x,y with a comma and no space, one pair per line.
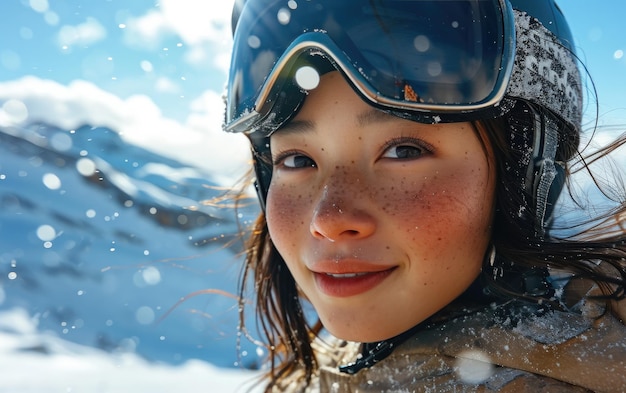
428,61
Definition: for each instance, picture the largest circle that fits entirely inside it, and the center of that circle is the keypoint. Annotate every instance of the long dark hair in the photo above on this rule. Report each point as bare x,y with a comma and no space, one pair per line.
576,248
519,252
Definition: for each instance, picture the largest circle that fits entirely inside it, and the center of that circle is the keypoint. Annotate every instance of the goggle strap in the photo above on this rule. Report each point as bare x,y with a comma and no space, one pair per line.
545,71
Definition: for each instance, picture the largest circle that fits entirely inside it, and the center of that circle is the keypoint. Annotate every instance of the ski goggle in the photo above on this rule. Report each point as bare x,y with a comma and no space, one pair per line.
437,60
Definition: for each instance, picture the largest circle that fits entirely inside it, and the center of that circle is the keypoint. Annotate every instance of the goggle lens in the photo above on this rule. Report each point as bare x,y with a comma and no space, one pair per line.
436,56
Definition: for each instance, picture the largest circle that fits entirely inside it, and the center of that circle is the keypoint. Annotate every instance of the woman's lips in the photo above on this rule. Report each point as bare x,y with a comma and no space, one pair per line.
344,279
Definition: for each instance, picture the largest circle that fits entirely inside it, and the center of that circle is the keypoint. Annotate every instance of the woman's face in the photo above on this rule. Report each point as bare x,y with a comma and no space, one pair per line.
381,221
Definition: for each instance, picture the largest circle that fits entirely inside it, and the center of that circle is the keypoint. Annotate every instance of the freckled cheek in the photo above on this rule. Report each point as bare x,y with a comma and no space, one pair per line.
287,209
440,204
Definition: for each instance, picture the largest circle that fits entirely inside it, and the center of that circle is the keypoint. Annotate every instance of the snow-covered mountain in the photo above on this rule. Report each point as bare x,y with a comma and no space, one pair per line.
35,362
100,240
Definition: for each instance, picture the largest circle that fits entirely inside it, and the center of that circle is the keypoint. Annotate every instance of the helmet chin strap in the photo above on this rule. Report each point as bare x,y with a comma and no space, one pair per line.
375,352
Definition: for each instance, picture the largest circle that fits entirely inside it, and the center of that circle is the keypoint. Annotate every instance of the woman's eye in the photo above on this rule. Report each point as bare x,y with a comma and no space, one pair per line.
404,152
295,161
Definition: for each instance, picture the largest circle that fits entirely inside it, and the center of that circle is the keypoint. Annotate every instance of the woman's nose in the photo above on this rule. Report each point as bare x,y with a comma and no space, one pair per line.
341,214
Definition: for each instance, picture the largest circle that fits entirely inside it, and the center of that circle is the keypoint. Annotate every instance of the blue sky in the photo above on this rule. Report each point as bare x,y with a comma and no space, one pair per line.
600,34
172,52
155,70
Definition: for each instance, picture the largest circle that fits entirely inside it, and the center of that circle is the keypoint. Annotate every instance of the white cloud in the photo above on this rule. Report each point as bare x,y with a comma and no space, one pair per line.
208,110
196,23
86,33
200,142
146,30
166,85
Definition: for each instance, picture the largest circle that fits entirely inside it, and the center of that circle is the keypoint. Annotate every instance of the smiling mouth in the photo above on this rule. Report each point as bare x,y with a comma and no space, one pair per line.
350,284
346,275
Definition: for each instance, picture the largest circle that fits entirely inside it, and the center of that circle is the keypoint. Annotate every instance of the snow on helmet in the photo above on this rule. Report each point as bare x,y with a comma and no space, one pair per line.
473,60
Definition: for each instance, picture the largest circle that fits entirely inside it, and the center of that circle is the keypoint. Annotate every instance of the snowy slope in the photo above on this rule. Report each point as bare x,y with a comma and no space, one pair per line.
32,362
100,238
